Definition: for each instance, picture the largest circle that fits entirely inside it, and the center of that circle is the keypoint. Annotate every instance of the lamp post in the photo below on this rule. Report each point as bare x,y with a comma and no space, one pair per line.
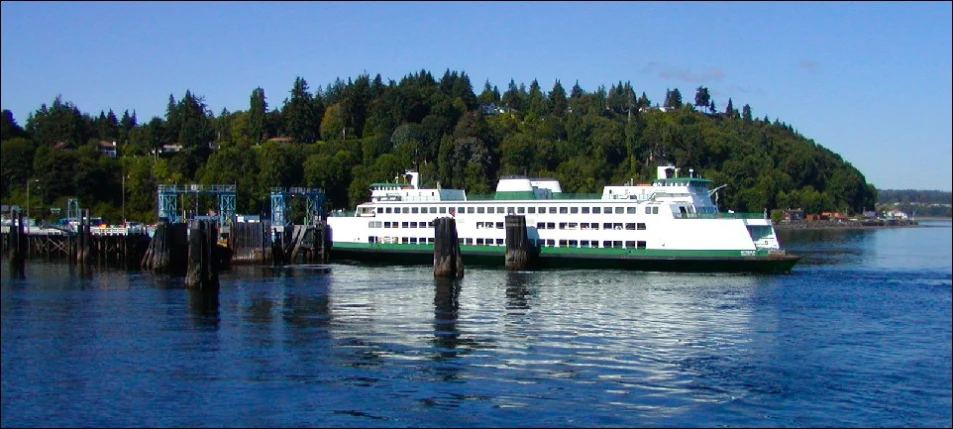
28,182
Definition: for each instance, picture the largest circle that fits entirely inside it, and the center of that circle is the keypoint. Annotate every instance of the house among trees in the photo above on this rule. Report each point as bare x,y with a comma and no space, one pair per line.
168,149
494,109
107,148
793,215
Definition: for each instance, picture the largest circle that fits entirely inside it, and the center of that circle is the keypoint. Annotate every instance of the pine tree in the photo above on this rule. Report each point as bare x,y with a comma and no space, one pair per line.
257,119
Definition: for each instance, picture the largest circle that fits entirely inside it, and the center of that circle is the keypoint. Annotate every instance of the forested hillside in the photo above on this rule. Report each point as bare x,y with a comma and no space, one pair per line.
349,134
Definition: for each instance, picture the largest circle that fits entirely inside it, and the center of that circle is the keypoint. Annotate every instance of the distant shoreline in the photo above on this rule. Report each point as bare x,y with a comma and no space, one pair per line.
849,224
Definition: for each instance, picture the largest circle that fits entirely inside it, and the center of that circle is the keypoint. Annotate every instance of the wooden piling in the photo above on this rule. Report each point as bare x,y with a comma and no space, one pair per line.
203,263
519,255
168,249
447,260
18,248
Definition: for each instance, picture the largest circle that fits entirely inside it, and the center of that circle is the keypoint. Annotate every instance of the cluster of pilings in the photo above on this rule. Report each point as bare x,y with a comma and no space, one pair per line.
448,261
260,243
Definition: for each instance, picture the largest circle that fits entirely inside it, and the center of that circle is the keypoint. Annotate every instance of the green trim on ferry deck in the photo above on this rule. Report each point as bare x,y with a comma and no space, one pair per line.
761,261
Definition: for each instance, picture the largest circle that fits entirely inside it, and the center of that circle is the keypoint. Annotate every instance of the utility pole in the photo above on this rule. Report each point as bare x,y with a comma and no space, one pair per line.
28,182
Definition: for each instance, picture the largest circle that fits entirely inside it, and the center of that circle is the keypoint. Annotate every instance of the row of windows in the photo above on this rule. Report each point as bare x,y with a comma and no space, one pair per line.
379,224
639,226
517,210
629,226
606,244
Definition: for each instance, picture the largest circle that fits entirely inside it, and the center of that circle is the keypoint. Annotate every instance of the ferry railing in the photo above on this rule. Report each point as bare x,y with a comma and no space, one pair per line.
555,196
719,215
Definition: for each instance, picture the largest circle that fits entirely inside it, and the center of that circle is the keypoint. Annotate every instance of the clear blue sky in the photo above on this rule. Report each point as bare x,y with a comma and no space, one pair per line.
870,81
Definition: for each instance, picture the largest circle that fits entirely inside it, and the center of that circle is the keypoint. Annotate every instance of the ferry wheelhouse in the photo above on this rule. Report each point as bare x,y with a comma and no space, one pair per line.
670,224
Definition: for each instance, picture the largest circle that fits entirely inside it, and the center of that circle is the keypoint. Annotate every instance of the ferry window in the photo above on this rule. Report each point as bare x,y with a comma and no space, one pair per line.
413,210
596,210
648,210
630,226
388,210
617,226
422,224
386,224
403,240
551,243
413,240
479,242
430,224
371,239
469,210
521,210
654,210
434,210
499,225
499,241
629,244
607,210
540,225
413,224
630,210
641,245
563,210
640,226
490,210
461,210
531,210
572,225
469,241
405,210
607,226
510,210
574,210
429,240
585,210
380,210
617,244
619,210
481,210
584,243
562,225
443,210
404,225
573,243
562,243
550,225
607,244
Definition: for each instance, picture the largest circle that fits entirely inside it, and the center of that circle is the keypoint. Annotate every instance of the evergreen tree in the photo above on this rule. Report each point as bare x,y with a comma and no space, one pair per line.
746,114
673,99
298,114
557,99
730,110
257,116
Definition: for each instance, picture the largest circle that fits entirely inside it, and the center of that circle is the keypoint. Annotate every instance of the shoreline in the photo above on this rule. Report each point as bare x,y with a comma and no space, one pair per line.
850,224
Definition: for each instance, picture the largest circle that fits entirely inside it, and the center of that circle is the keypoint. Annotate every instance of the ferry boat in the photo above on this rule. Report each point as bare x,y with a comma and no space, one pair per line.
671,224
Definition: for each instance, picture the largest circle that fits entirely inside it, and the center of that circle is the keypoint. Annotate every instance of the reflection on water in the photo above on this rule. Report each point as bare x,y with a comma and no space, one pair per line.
861,338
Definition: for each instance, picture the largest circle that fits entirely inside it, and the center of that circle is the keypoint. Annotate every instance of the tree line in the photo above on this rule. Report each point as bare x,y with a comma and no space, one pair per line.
347,135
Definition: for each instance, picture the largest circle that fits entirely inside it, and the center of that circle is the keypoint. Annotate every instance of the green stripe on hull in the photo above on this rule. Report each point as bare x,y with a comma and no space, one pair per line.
634,259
